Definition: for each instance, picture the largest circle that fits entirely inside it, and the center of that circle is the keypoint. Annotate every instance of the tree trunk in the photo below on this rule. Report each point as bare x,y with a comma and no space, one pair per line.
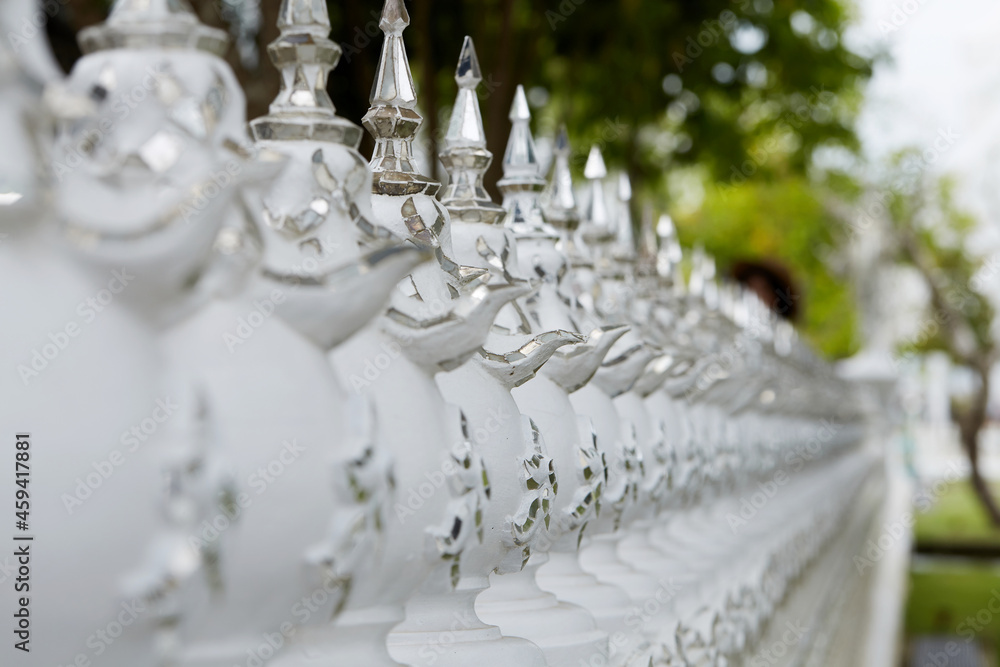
430,98
970,424
499,100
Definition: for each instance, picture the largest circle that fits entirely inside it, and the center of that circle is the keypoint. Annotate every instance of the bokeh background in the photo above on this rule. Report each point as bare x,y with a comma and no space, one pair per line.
839,157
715,108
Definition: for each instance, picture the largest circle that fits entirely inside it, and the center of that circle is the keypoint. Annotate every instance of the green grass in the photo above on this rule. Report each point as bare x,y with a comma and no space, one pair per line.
951,596
956,518
945,593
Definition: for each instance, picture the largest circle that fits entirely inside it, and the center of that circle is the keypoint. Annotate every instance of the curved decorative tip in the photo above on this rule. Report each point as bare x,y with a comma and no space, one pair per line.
506,292
604,337
624,187
620,373
655,374
520,365
519,110
595,168
478,309
574,368
402,258
484,302
468,74
328,308
394,17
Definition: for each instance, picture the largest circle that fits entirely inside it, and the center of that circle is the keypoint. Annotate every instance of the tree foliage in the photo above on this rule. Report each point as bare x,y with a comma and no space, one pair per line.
744,90
931,234
784,221
746,69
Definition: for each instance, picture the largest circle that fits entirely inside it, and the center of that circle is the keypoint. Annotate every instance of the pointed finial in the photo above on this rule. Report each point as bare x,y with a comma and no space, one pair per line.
665,227
153,24
702,283
624,188
468,74
394,17
522,182
558,199
727,300
520,161
312,15
466,125
696,282
740,315
596,218
465,156
668,259
392,120
519,110
710,292
708,268
305,55
647,242
625,241
595,168
521,171
393,84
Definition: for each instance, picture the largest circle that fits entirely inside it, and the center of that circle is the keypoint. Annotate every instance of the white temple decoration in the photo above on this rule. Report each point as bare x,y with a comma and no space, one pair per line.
394,423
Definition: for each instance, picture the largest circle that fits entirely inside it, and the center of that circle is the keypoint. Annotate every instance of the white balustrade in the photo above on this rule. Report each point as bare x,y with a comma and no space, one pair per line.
393,423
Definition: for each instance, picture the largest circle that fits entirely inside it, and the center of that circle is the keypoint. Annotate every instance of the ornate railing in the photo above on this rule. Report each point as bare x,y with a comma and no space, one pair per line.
398,423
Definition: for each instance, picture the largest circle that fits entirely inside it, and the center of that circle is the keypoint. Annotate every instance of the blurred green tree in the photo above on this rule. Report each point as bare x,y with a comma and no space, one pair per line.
783,221
717,75
745,90
931,234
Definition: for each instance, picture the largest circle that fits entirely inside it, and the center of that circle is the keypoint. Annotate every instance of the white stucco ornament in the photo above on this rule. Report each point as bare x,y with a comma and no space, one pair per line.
287,406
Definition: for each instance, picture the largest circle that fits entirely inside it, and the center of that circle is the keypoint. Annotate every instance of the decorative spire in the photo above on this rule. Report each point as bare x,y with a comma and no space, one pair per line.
625,242
153,24
711,287
522,183
558,200
392,120
466,127
696,283
647,242
520,161
465,156
596,218
668,259
703,283
305,55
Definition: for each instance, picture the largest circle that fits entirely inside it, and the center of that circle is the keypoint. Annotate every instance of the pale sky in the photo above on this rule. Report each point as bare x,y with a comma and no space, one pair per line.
944,81
944,77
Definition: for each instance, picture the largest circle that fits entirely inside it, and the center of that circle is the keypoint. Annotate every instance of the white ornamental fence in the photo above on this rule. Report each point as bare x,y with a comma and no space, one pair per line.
286,406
